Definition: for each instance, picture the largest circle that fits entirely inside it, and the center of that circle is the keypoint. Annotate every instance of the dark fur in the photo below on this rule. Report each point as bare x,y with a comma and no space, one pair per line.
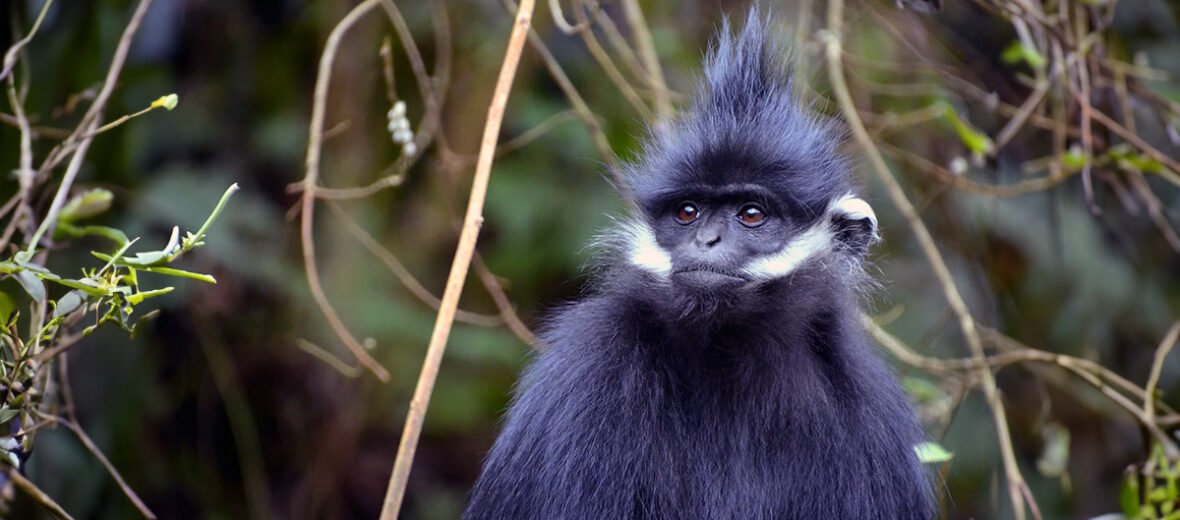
767,406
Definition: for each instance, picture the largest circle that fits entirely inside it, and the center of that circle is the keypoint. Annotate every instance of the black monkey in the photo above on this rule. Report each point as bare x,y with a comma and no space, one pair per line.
717,368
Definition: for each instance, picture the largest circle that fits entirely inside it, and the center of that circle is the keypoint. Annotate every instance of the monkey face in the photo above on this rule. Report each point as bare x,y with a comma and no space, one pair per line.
710,235
732,240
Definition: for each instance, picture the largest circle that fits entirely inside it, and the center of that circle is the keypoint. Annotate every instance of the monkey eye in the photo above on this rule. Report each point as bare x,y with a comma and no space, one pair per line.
688,213
751,215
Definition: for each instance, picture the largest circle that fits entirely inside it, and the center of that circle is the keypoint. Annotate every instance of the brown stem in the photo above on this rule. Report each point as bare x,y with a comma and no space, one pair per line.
314,148
462,262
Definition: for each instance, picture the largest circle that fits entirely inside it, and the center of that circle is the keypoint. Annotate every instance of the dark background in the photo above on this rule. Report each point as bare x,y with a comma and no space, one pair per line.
216,413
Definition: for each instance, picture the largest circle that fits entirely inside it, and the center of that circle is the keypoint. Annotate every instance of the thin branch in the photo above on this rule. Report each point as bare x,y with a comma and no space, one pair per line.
463,254
328,358
560,21
646,47
1155,208
41,497
597,135
47,131
516,143
1083,98
314,146
507,312
608,65
941,272
10,56
404,275
90,122
102,459
1172,171
1014,353
1026,109
432,97
1001,191
1161,352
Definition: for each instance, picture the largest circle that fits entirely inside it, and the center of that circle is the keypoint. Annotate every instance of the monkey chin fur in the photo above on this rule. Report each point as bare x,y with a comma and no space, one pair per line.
691,308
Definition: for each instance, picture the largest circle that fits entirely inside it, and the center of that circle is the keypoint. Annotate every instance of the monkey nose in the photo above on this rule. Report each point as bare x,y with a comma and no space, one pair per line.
708,238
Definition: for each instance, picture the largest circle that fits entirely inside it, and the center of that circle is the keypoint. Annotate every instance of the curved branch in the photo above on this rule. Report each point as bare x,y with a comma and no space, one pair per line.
314,148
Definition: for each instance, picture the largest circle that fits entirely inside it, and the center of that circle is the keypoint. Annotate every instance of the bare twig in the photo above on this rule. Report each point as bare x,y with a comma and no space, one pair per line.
41,497
1157,364
328,358
1015,352
314,146
403,275
560,21
597,135
1026,109
604,60
463,253
941,272
651,62
507,313
1172,171
90,122
102,459
432,92
10,56
519,141
963,183
72,424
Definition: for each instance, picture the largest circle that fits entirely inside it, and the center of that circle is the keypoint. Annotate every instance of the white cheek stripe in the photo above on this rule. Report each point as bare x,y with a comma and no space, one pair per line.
645,252
812,242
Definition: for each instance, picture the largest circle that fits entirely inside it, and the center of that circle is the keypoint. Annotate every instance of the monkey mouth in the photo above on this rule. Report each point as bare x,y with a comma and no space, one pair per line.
706,278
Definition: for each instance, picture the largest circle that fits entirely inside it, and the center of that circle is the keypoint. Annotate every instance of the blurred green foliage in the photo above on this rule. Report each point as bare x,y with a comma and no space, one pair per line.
215,413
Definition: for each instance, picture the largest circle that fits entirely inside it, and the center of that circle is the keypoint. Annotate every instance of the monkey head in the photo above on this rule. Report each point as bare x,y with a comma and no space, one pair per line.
747,188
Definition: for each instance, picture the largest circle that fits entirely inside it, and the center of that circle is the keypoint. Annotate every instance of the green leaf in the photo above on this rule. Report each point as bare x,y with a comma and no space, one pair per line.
68,303
141,259
6,414
1074,159
932,453
922,390
976,141
1017,52
136,298
75,284
32,285
146,259
192,240
1128,493
29,266
181,273
7,306
88,204
71,231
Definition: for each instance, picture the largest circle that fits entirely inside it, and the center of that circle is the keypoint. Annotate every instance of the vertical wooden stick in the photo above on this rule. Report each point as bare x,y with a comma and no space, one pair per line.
463,254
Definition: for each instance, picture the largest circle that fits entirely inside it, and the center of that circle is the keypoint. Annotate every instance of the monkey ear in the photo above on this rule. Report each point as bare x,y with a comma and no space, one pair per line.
854,224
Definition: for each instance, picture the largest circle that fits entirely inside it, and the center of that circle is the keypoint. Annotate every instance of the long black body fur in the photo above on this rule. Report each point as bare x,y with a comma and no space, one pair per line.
772,407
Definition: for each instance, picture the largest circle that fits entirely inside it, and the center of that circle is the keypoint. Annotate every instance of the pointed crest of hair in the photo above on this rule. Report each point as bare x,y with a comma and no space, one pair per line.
745,126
